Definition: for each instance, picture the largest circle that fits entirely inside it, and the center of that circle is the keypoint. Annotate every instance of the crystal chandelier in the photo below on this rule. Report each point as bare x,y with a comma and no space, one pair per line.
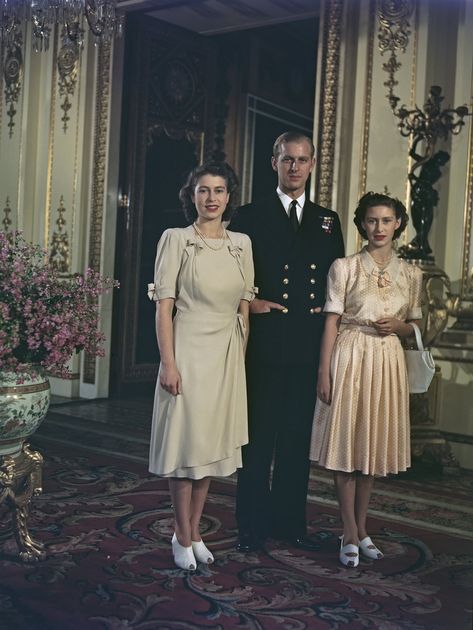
101,17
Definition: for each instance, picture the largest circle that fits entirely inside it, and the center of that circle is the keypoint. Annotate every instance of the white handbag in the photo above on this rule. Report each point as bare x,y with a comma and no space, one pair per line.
420,365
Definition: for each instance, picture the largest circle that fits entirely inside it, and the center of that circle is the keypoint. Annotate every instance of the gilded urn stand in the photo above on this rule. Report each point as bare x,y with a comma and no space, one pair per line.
20,480
24,401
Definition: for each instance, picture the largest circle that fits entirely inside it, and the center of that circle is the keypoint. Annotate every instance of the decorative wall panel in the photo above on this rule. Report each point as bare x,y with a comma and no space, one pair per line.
466,292
326,133
64,149
102,106
168,126
11,133
45,148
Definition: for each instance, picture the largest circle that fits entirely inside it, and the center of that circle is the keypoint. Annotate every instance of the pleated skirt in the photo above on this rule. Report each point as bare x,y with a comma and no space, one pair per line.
366,427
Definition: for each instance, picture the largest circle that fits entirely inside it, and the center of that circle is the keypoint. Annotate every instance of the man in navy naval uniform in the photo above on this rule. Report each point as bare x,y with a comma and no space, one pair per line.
294,243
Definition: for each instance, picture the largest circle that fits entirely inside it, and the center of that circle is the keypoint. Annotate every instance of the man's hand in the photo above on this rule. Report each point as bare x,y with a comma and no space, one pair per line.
258,306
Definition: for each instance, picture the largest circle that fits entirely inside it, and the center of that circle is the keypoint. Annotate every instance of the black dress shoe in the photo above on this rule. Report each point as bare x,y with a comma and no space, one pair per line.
305,543
248,542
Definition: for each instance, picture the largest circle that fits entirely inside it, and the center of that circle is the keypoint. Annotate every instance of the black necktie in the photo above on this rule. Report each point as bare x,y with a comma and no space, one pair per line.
293,215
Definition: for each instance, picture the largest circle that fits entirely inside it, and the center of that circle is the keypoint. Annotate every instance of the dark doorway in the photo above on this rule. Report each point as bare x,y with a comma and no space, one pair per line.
167,117
187,97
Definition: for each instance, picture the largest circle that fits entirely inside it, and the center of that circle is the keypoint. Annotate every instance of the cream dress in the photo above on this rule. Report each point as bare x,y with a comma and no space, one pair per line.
366,426
200,432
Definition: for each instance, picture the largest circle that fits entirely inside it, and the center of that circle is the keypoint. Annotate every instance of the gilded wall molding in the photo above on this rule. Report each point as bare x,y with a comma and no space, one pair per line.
415,49
52,119
63,152
77,143
59,253
367,100
393,37
466,291
67,69
366,118
102,99
332,35
13,75
7,222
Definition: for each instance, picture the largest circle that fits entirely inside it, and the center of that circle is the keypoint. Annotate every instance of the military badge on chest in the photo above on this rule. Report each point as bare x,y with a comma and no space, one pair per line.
327,224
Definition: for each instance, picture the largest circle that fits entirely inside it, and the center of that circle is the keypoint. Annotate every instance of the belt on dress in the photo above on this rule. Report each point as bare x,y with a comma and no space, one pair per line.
367,329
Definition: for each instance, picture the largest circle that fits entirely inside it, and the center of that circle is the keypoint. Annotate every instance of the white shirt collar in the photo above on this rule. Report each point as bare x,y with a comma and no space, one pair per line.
286,202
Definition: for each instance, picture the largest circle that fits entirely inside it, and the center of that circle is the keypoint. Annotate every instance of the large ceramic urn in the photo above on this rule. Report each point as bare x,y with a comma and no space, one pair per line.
24,401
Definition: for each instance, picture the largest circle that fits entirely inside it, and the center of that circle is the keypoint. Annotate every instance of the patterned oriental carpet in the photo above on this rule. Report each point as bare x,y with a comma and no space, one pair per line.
107,526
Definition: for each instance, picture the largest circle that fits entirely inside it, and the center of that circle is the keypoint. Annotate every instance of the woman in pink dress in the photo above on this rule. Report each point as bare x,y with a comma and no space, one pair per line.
361,421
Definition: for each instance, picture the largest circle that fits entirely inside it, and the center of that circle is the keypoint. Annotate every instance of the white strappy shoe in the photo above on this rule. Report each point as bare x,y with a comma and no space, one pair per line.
347,560
183,556
201,553
369,549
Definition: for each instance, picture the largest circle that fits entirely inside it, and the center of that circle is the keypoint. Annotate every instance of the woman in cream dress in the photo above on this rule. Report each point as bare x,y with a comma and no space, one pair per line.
361,421
203,274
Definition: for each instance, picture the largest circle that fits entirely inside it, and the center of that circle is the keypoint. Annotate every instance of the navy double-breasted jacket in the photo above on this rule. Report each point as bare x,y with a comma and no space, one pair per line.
291,269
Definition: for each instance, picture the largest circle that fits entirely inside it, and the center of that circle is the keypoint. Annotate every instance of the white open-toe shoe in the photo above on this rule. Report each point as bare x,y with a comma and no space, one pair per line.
201,553
183,556
351,560
369,549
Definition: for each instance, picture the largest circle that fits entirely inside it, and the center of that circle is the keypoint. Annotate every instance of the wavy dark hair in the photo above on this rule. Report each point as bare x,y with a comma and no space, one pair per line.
219,169
372,199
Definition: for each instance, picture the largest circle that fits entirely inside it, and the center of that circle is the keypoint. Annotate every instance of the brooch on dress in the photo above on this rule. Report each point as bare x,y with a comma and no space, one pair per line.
383,278
327,224
235,250
190,243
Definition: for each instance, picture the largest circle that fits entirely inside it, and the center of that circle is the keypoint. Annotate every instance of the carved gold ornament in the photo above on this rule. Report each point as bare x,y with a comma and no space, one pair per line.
328,101
59,254
102,104
6,219
20,480
67,65
393,37
13,74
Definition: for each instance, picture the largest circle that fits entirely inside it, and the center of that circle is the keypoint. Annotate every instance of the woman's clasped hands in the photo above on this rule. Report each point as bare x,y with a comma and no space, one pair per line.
388,326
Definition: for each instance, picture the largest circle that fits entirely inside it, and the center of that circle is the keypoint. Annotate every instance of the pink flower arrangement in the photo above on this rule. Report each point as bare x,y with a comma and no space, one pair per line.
45,318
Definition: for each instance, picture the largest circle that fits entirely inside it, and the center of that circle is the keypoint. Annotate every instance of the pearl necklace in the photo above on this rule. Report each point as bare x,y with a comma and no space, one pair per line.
382,264
204,240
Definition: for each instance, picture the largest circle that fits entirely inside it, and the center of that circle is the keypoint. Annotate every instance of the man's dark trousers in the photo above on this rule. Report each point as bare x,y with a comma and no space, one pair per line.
282,401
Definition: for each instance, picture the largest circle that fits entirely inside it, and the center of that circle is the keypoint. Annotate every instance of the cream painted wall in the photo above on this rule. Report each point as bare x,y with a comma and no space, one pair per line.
48,162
